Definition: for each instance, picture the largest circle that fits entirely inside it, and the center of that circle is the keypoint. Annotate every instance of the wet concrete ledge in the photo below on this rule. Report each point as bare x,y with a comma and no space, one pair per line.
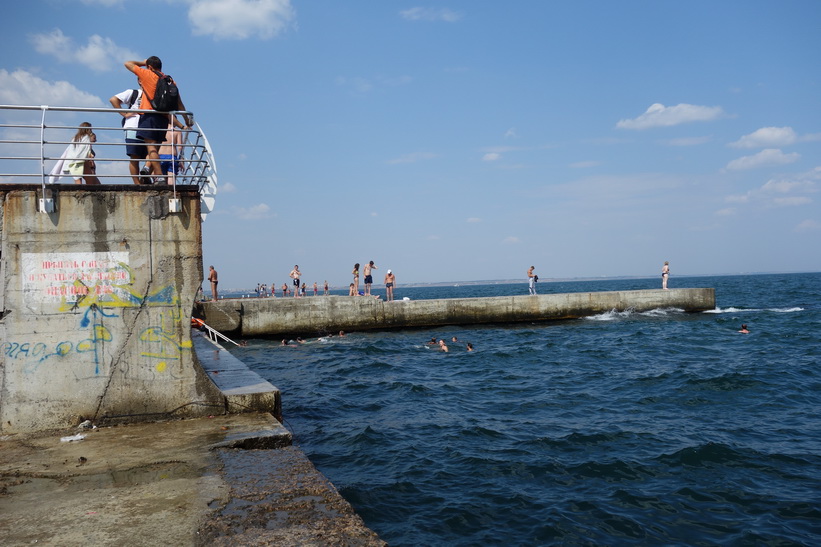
329,314
169,483
243,390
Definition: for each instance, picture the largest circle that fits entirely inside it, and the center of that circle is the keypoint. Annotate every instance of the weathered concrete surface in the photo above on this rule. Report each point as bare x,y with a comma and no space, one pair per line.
275,316
169,483
243,390
96,300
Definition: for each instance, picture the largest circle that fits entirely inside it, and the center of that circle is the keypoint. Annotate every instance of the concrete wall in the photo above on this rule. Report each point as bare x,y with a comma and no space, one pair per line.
96,300
328,314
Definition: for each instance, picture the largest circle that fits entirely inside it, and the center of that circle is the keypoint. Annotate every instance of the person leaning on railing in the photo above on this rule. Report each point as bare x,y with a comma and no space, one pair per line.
153,125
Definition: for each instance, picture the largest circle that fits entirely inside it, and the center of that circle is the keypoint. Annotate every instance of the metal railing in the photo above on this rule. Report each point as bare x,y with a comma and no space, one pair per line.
212,334
34,138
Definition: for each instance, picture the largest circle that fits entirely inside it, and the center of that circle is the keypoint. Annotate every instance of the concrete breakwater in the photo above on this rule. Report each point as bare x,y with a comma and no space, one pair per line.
329,314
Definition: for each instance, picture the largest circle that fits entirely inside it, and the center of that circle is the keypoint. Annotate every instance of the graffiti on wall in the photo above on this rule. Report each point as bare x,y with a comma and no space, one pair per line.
96,285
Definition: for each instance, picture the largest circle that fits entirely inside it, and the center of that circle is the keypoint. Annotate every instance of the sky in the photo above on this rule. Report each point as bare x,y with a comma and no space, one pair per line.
470,139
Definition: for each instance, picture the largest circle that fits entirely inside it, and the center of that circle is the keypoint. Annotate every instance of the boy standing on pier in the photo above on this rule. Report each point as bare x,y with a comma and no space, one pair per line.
368,277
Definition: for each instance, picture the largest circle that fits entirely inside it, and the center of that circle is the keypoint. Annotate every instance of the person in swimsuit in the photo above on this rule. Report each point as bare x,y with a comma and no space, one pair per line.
368,277
295,275
390,280
212,277
665,273
326,288
744,329
284,289
355,273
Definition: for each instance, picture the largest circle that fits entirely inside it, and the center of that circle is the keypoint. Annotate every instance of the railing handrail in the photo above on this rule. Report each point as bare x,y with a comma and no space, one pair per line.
195,156
213,334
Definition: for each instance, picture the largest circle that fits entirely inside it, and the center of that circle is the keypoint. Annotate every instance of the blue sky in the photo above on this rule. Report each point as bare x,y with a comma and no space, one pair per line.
468,140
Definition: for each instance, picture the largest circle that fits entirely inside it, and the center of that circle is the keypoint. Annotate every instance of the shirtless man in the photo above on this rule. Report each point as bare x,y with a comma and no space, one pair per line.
531,279
171,152
295,275
368,277
390,281
212,277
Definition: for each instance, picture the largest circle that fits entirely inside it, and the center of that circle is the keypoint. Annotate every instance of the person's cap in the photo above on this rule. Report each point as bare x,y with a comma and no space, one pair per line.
389,271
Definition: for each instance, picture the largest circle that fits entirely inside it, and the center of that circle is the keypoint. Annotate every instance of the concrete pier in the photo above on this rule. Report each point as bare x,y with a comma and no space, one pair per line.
328,314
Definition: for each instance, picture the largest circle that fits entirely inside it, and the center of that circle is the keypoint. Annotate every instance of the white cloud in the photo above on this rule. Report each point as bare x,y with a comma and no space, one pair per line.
770,156
492,156
510,240
256,212
784,186
774,191
725,212
511,133
474,219
21,87
767,137
808,225
99,54
430,14
659,115
240,19
227,188
792,201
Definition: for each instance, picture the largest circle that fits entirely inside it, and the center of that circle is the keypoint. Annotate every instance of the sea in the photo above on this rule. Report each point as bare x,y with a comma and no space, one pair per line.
625,428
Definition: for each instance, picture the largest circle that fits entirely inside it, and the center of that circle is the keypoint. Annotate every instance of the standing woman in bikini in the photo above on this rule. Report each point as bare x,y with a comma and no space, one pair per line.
355,273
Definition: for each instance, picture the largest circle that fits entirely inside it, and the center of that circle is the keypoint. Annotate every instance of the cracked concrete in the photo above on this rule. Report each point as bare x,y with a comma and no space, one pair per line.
169,483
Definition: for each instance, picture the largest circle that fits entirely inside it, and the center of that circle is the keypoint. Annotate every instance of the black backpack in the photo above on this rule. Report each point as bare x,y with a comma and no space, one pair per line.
166,94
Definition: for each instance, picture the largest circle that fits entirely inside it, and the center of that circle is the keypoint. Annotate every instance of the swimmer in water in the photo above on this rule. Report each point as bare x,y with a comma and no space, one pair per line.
442,346
744,329
470,346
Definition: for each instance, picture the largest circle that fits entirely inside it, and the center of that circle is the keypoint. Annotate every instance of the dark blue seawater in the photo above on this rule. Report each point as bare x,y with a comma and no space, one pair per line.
626,428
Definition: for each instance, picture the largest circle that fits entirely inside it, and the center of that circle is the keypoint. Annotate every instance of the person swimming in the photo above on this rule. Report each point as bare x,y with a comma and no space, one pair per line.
744,329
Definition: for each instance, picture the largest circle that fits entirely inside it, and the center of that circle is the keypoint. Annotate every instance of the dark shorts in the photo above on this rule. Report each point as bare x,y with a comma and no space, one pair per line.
389,285
368,279
153,127
135,149
296,283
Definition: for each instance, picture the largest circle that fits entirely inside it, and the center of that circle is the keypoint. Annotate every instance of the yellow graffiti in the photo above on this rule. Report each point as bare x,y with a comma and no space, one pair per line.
100,334
117,295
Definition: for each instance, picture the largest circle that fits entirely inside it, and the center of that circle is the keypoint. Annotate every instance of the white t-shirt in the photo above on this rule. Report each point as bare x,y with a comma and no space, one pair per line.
132,122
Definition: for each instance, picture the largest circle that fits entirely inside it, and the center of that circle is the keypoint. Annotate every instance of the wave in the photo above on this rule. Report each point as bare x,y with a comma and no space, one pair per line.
732,309
614,315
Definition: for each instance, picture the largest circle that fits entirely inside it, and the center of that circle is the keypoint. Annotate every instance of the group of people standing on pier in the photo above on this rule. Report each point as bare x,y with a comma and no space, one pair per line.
152,134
